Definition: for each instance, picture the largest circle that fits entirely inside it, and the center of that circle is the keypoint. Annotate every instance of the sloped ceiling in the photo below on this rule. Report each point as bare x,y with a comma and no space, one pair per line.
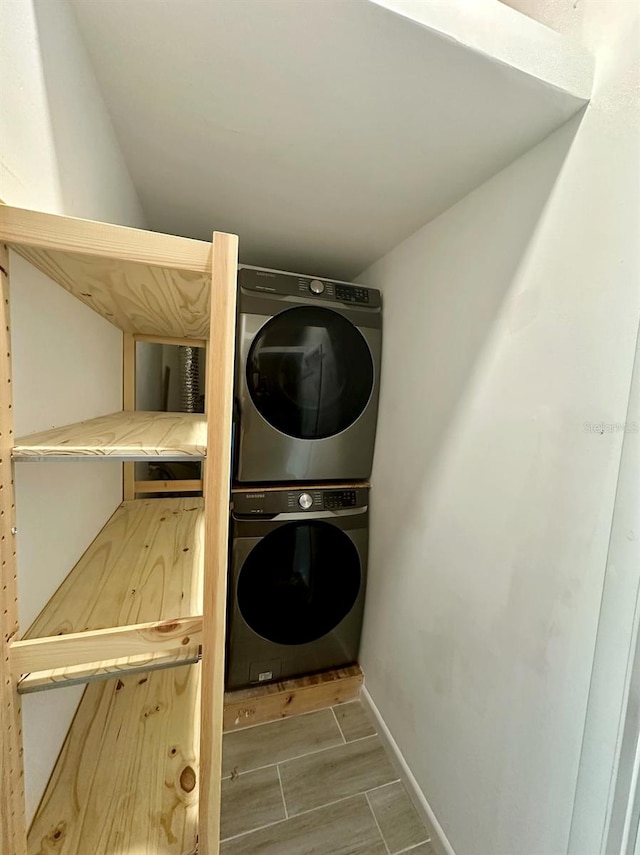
323,132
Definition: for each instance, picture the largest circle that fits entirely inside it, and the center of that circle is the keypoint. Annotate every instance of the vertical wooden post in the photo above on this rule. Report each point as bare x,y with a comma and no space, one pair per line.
13,832
128,403
219,402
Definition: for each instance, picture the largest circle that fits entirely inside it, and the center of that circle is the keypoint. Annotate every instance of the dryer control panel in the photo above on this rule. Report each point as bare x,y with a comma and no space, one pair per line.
256,502
292,285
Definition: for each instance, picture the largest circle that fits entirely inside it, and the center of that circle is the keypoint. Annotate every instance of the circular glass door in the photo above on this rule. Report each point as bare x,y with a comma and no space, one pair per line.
299,582
310,372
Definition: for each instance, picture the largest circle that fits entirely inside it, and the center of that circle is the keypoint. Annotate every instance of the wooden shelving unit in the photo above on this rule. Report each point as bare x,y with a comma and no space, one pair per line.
140,767
144,568
128,435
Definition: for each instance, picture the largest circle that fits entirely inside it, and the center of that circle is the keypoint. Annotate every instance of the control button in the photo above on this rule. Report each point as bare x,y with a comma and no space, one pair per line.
305,501
316,286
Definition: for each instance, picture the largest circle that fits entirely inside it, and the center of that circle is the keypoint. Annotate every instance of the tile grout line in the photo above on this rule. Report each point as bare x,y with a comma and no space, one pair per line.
303,813
426,830
300,756
344,738
413,848
375,819
284,801
276,720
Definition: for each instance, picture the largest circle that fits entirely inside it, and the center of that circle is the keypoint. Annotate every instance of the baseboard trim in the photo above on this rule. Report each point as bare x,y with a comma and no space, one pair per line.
439,840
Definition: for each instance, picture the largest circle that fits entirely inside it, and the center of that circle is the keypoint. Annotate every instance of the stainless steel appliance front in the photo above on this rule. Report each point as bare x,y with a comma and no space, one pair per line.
307,376
297,580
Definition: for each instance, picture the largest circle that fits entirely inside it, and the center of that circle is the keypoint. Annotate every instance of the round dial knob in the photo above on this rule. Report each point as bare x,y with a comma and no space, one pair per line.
316,286
305,501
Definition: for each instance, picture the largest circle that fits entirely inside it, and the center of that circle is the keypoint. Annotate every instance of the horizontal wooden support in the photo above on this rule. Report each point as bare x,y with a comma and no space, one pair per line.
40,681
20,228
193,485
144,567
81,648
173,340
283,699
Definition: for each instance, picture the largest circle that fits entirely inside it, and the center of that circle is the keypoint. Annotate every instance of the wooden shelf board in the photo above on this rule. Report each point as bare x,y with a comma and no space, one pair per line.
126,780
273,701
145,567
128,435
143,282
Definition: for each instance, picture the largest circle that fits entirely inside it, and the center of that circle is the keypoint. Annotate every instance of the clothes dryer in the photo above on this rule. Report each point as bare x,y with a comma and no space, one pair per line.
307,375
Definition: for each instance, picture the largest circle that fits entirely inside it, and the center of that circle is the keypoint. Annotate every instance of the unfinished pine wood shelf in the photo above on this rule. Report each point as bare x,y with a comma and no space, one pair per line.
129,435
142,282
126,780
139,585
140,768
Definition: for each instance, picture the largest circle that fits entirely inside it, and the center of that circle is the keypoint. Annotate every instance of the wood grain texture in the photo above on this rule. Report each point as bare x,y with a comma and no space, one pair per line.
136,298
178,486
121,436
20,227
286,698
126,780
12,817
140,281
219,400
80,648
128,403
40,681
171,340
145,565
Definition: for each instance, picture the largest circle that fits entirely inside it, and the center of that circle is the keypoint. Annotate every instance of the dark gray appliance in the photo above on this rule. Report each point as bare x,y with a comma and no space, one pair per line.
307,373
297,579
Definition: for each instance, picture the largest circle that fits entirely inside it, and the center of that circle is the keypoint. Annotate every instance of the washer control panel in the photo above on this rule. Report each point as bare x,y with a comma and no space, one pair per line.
308,500
337,499
352,294
292,285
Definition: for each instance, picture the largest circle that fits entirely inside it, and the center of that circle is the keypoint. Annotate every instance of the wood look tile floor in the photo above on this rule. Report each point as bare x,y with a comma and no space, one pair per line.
316,784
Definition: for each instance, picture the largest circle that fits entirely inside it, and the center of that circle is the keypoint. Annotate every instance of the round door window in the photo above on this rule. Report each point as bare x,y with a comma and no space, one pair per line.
299,582
310,372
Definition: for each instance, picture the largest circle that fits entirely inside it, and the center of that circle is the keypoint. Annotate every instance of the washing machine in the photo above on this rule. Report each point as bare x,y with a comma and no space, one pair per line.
297,579
307,373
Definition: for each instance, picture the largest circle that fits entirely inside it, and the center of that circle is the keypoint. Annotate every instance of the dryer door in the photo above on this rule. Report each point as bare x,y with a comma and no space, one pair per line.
299,582
310,372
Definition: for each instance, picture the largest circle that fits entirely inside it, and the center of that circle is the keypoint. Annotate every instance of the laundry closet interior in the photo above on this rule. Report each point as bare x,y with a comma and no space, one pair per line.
189,405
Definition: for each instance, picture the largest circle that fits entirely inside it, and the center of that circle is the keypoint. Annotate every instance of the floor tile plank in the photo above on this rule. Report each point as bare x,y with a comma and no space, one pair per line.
336,773
250,801
277,741
354,721
345,828
399,823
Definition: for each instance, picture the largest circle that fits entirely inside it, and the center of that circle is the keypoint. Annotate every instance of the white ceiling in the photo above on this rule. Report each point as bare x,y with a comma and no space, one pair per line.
323,132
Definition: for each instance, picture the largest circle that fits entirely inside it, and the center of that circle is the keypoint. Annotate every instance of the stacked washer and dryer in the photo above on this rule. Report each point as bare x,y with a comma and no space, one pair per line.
306,388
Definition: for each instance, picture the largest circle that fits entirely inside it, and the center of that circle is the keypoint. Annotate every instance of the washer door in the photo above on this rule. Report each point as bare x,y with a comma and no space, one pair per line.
299,582
310,372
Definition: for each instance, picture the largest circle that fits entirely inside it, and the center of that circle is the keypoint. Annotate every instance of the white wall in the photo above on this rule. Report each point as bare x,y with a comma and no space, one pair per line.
510,323
58,153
